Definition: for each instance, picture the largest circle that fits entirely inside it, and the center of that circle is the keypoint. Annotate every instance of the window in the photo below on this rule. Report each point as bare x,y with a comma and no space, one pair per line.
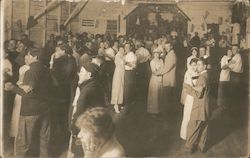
111,27
88,23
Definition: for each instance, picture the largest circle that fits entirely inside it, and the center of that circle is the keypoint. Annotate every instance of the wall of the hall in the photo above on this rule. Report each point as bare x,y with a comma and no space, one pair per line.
101,12
17,12
217,12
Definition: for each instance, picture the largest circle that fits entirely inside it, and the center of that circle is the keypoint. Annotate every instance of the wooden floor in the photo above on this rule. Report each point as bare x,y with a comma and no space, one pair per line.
145,136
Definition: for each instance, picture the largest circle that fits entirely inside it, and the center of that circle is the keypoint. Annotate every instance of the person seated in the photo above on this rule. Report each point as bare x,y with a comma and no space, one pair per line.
97,134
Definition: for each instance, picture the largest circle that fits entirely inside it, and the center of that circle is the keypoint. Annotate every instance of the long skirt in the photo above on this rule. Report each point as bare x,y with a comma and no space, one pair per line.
223,93
143,77
183,96
186,116
129,86
118,86
154,89
15,116
109,67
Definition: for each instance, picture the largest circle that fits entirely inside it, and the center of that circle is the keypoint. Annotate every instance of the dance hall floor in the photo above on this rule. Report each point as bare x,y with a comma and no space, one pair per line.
145,136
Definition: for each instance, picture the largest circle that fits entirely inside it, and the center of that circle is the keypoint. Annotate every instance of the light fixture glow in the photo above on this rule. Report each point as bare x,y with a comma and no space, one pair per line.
108,1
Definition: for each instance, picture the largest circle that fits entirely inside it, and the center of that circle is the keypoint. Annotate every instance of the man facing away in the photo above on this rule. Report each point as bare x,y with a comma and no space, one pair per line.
197,126
34,126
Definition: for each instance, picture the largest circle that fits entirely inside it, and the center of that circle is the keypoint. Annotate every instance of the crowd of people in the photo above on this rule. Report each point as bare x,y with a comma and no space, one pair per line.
59,95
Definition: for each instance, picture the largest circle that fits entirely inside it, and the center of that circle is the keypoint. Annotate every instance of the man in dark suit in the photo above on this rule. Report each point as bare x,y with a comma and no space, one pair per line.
91,89
34,124
90,94
195,41
197,126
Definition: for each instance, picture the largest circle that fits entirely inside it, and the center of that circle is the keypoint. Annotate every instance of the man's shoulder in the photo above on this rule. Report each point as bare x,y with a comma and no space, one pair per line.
237,56
203,76
92,85
171,55
35,67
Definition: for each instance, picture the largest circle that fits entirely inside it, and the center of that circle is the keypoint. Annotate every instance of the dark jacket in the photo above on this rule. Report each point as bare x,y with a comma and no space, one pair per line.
91,95
12,55
64,73
64,69
49,47
195,41
39,99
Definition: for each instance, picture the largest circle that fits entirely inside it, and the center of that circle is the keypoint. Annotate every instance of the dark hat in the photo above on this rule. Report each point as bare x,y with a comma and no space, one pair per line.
93,68
36,52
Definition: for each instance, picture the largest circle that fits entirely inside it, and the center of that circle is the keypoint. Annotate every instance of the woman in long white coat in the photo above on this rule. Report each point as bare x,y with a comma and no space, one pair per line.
17,104
155,85
118,81
190,79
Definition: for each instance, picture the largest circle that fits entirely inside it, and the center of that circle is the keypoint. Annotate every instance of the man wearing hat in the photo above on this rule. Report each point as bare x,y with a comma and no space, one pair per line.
34,124
90,93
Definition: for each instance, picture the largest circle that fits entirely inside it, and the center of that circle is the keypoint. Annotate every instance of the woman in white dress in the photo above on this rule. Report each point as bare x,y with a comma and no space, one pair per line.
118,81
194,52
155,84
17,104
190,79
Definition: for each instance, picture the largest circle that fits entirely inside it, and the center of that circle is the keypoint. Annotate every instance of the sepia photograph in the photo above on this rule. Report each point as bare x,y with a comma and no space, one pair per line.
124,78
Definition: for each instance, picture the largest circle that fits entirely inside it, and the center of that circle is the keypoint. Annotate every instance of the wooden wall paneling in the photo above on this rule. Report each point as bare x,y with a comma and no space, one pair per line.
59,20
36,33
11,18
73,6
75,22
7,18
27,16
69,26
64,11
51,22
19,18
45,24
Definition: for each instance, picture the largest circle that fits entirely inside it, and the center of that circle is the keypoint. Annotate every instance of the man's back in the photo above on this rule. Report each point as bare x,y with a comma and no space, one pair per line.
92,94
39,99
170,66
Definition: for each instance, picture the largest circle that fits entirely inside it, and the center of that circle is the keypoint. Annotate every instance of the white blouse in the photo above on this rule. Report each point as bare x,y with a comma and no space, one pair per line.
237,66
7,67
225,73
131,59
